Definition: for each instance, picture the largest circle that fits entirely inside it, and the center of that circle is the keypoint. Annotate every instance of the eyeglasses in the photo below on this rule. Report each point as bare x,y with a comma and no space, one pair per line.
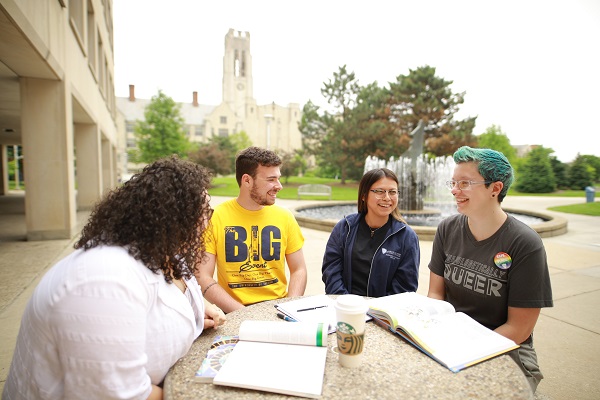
464,185
380,193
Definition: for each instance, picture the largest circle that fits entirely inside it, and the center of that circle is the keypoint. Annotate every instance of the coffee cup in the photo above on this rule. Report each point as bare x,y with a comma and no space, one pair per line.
350,312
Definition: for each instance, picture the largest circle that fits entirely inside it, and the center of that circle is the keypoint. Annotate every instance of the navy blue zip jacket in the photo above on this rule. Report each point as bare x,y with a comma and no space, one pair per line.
394,268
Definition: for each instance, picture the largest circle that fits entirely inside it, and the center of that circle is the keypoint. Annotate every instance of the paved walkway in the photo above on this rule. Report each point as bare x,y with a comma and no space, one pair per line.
567,336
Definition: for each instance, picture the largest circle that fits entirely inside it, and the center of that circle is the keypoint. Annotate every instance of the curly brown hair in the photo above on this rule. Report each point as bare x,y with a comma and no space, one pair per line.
159,216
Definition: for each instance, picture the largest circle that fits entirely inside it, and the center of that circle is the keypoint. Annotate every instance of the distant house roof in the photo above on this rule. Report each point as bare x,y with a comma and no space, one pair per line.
195,115
134,110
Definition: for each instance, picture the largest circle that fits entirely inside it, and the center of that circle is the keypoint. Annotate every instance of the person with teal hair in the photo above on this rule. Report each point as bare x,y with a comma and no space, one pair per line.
487,263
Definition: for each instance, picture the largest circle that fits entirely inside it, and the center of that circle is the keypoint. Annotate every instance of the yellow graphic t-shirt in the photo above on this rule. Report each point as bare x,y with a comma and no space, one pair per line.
250,248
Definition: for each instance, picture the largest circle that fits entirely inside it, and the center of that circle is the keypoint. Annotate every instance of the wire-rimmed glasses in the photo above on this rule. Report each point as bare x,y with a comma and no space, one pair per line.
464,185
380,193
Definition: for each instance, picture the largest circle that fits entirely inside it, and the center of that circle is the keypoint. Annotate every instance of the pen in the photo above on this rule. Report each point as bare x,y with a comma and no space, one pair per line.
310,308
285,317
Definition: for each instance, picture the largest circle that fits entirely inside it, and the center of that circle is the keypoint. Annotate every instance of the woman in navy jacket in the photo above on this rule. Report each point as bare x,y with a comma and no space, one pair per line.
373,252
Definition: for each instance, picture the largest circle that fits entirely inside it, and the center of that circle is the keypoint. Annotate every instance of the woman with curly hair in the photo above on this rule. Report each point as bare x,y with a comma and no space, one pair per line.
110,319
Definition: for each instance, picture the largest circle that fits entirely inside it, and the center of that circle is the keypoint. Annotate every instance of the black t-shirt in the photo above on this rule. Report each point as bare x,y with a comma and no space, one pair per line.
483,278
362,254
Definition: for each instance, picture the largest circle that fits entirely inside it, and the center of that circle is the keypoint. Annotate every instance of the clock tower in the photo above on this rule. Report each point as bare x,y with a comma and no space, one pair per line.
237,72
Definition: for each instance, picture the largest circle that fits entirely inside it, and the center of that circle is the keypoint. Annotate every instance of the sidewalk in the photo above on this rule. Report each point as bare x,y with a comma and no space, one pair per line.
567,336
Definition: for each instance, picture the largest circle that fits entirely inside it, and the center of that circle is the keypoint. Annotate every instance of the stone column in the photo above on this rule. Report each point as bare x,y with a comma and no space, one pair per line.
88,165
108,178
47,134
3,170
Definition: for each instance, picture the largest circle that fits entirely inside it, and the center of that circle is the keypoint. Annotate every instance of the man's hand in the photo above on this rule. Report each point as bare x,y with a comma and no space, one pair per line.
213,316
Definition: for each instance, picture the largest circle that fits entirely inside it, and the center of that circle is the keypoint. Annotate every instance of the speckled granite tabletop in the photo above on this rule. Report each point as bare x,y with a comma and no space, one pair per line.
391,369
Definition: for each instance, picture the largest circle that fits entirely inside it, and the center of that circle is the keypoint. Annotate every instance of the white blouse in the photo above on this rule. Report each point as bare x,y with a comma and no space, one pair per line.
101,324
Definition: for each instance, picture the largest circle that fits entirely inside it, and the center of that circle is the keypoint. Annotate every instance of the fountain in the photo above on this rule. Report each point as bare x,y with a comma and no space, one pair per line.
424,200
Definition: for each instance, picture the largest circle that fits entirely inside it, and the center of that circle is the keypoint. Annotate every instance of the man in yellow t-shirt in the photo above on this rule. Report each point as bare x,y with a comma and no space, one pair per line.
251,239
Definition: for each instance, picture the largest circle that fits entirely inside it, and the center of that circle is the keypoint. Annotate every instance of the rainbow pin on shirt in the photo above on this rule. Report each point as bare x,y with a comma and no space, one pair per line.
502,260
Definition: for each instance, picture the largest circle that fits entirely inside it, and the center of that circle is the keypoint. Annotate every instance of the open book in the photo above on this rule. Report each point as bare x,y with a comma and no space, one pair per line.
453,339
277,356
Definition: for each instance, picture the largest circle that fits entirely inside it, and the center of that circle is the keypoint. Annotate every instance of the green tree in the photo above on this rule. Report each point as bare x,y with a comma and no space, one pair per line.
332,135
357,127
580,174
535,174
494,138
161,133
312,128
292,163
218,154
373,121
421,95
232,144
594,162
217,160
560,173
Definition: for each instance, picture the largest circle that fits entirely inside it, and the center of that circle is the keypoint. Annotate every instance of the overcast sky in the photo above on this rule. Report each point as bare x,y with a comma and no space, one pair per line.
531,67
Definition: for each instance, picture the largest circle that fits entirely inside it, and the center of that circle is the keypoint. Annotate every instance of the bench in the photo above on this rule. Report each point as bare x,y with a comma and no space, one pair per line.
314,190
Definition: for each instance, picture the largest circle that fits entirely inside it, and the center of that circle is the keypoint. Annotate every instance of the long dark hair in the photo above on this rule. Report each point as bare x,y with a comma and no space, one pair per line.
159,216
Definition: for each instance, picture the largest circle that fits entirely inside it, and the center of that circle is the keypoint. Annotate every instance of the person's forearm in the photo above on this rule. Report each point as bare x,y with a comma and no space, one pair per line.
435,295
219,297
297,284
516,335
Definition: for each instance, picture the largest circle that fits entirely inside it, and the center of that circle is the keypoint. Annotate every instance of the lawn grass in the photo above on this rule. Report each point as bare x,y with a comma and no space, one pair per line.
227,186
592,209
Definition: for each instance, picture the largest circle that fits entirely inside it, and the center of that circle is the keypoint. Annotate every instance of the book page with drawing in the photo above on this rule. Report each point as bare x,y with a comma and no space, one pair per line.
453,339
280,357
216,356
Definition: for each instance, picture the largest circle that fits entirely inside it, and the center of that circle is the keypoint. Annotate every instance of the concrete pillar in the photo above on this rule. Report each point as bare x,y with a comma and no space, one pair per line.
88,165
3,170
47,136
108,181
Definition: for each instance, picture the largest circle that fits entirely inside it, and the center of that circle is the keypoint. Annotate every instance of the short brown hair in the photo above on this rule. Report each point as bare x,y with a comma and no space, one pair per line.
248,160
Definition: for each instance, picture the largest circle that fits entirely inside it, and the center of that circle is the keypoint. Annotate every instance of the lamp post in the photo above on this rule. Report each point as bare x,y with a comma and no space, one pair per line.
268,118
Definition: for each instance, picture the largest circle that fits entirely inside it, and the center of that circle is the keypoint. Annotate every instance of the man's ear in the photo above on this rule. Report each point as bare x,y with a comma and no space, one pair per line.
246,179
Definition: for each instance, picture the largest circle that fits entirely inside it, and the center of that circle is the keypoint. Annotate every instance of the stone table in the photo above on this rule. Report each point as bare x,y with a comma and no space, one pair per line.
391,369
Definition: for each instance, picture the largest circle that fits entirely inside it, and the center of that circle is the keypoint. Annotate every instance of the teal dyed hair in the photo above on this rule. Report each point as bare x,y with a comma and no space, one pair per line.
491,164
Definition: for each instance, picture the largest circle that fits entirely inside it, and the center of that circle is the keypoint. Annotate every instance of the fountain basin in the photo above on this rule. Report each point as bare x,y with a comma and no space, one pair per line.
549,225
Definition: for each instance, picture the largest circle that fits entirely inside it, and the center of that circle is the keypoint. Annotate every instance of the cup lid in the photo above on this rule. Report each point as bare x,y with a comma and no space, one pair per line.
351,303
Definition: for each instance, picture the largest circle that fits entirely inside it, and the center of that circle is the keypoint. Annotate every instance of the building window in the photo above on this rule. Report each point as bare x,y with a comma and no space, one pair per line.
236,64
243,66
129,126
101,67
223,132
91,39
223,120
76,18
199,130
